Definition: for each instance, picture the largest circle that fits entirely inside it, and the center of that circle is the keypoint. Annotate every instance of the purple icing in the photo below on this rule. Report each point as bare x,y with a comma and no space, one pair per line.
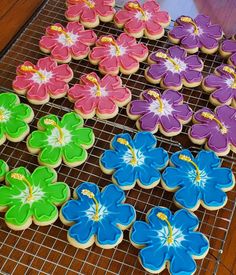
229,47
210,129
189,70
207,36
170,118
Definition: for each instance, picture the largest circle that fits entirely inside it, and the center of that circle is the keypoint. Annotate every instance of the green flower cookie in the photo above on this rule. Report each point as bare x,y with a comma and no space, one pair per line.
3,170
14,118
56,140
32,197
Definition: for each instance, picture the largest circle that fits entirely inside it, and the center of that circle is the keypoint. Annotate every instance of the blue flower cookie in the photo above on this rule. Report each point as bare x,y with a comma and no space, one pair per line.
134,160
96,216
199,180
170,240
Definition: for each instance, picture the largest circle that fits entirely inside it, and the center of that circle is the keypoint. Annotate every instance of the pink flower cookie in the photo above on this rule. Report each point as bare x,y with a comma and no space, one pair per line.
41,81
215,129
228,50
99,96
139,20
122,54
69,42
90,12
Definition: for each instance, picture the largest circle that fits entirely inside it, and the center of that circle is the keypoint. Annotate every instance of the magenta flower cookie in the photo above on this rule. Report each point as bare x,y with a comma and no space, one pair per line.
195,34
67,42
221,85
101,97
122,54
139,20
215,129
155,111
174,69
228,50
41,81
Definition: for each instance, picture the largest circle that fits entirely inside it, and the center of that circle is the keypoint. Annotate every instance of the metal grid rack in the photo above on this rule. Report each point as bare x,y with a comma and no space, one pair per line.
45,250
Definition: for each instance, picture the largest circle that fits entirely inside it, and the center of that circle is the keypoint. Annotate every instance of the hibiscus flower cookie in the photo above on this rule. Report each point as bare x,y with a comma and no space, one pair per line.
57,140
221,85
174,69
41,81
228,50
90,12
139,20
28,198
97,216
199,180
155,111
100,97
169,241
67,43
120,55
134,160
195,34
215,129
14,118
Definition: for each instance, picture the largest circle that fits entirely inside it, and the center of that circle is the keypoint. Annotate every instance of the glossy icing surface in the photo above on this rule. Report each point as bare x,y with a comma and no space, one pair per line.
171,238
160,110
99,214
61,139
66,42
136,159
3,169
229,47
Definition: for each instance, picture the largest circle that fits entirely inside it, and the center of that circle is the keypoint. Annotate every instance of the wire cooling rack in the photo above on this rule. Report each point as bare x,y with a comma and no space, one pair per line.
45,250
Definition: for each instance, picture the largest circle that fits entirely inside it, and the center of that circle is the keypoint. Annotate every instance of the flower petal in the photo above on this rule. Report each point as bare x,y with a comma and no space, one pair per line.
63,72
142,233
37,92
37,139
9,99
192,76
109,64
46,63
79,49
214,197
190,223
88,14
58,88
196,243
183,112
74,27
208,41
72,121
193,62
82,232
199,131
58,192
44,211
106,106
7,194
207,160
190,41
157,157
148,175
21,83
125,176
18,214
111,160
153,27
43,176
74,154
74,210
222,95
108,233
83,137
86,105
172,177
149,122
179,32
176,51
120,147
74,11
122,215
218,142
87,37
50,155
156,71
138,107
188,196
154,221
112,194
138,50
144,140
22,111
170,124
105,10
16,128
172,96
98,53
134,25
128,62
48,42
172,79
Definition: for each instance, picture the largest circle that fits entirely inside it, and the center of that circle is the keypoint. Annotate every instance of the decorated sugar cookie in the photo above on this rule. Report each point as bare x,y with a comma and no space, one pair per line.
57,140
155,111
28,198
195,34
139,20
97,216
90,12
221,85
199,180
100,97
134,160
67,42
118,55
174,69
169,241
14,118
215,129
41,81
228,50
3,169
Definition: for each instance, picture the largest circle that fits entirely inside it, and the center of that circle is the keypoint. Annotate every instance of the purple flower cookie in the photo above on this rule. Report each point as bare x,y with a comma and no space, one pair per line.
222,86
193,34
216,129
228,50
155,111
174,69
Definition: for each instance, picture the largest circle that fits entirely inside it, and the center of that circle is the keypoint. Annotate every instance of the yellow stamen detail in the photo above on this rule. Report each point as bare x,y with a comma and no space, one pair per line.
233,73
164,218
126,143
136,6
95,82
188,159
20,177
32,70
165,56
49,121
156,96
60,30
91,195
110,40
210,116
2,117
187,19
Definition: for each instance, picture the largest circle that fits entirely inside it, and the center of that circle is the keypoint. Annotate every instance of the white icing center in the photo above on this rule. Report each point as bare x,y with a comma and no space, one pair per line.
166,111
37,193
5,114
36,77
102,212
62,39
192,29
177,236
203,178
103,91
112,50
127,157
182,66
230,82
54,138
139,15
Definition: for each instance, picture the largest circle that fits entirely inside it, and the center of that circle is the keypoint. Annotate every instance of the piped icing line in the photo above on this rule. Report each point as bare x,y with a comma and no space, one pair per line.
60,30
95,82
31,69
187,19
123,141
24,179
136,6
210,116
48,121
164,218
228,50
232,72
157,97
91,195
188,159
110,40
165,56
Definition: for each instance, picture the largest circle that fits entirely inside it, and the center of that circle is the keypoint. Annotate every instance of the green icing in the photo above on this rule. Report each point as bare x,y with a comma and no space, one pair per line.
15,197
57,140
3,169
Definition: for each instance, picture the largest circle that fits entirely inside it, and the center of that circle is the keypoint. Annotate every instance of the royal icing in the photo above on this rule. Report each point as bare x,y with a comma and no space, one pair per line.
41,81
3,170
134,160
174,68
217,129
222,85
67,42
155,110
228,49
14,118
58,140
32,197
97,216
170,240
122,54
146,19
199,180
99,96
193,34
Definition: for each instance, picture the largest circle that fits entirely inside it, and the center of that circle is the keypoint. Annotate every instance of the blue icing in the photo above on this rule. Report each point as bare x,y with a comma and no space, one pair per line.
112,214
149,160
185,243
208,189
